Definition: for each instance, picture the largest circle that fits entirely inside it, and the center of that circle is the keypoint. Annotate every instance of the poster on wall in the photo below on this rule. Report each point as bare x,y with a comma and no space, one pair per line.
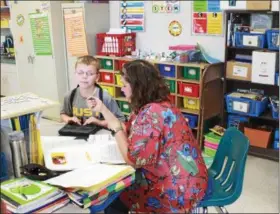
75,32
207,18
132,15
166,7
40,30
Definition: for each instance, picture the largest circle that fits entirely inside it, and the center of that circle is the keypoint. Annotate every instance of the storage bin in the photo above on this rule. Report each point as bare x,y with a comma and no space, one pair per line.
211,137
107,77
109,89
245,106
244,39
121,64
107,64
210,152
277,78
275,145
235,120
257,137
276,135
124,106
118,80
188,89
272,37
191,73
4,168
167,70
211,145
190,103
192,120
171,85
172,99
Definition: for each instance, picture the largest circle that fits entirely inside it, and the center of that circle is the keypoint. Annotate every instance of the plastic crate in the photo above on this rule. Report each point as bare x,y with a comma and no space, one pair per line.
239,39
276,145
107,64
210,152
4,168
107,77
115,44
272,37
275,111
188,89
276,135
190,103
245,106
124,106
118,80
211,137
235,120
121,64
191,73
109,89
192,120
172,99
277,78
211,145
171,85
167,70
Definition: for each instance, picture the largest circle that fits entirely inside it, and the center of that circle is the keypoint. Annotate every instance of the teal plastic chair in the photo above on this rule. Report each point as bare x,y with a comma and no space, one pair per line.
226,174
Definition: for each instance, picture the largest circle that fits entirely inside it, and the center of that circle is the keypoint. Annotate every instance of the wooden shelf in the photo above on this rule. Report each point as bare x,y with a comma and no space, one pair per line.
105,83
267,115
195,98
121,98
188,81
169,78
250,48
109,71
267,153
246,81
196,112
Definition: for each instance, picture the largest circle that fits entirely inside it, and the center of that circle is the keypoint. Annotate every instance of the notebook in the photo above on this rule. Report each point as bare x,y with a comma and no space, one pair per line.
79,130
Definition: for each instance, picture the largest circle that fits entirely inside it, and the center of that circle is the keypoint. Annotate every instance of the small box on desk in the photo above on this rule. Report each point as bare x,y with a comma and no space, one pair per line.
239,70
265,65
245,5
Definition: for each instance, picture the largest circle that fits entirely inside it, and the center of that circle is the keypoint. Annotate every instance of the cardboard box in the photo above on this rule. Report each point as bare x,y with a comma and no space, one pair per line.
239,70
264,66
245,5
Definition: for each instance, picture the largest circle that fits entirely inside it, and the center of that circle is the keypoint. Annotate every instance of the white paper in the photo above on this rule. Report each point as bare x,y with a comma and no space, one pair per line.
250,41
240,106
240,71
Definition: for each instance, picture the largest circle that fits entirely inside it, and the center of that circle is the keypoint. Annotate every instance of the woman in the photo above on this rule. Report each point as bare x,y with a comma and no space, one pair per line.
159,143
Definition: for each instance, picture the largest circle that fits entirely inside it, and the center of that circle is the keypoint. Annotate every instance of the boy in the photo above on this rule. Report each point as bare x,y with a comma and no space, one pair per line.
75,109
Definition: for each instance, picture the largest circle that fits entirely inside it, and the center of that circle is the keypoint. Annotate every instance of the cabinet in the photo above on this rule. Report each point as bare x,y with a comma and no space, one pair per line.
96,20
44,75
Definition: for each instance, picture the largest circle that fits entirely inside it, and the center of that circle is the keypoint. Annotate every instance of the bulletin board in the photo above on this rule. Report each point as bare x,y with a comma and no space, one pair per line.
207,18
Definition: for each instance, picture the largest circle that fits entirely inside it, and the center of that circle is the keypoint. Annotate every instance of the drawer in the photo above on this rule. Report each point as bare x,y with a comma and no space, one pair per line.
167,70
190,103
107,77
107,64
188,89
109,89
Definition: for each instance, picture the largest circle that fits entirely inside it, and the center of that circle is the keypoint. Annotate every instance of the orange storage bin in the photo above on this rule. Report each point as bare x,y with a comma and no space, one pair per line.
107,77
258,137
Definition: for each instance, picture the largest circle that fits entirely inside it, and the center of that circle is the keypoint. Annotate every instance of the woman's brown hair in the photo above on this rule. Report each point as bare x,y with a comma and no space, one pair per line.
147,85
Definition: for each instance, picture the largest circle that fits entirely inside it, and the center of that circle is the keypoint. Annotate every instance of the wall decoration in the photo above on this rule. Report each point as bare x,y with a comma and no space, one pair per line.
175,28
132,15
207,18
166,7
20,19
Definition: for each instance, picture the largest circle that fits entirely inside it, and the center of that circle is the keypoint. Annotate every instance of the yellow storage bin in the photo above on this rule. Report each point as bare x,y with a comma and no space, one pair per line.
109,89
118,80
4,23
190,103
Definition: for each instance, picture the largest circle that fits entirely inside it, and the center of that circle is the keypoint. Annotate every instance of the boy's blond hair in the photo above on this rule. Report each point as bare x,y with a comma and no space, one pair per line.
88,60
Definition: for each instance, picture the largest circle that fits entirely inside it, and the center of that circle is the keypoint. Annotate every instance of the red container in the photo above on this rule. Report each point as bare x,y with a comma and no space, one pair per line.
107,77
121,64
189,90
172,99
115,44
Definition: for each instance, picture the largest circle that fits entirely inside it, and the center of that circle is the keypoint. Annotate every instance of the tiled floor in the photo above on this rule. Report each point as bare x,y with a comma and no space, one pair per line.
260,190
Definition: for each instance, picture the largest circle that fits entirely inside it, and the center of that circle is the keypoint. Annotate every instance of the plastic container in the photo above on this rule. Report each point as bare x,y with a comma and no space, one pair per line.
107,64
181,47
210,152
188,89
190,103
258,138
277,78
124,106
107,77
276,145
276,135
118,80
245,106
4,167
235,120
272,37
211,137
192,120
191,73
115,44
121,64
167,70
211,145
109,89
244,39
171,85
172,99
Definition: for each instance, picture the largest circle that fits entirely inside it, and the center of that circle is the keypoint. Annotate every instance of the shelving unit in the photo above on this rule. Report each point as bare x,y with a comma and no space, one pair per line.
210,83
270,90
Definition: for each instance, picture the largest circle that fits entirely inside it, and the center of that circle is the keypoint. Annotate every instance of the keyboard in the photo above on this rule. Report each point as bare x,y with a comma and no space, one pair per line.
76,130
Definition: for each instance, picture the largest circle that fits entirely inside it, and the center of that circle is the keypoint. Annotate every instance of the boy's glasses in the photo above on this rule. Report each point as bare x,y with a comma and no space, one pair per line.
89,74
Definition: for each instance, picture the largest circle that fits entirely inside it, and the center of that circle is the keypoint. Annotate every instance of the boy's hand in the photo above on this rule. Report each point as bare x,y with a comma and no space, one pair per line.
91,120
74,120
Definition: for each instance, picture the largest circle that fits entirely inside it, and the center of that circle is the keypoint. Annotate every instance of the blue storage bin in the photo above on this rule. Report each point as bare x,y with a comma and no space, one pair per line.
192,120
277,78
240,35
4,168
235,120
245,106
276,145
272,37
276,135
167,70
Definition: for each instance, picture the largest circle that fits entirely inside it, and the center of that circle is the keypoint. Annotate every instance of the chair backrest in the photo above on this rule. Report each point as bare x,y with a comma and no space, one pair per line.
229,163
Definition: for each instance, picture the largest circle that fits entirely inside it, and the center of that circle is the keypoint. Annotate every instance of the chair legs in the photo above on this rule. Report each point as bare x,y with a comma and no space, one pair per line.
221,210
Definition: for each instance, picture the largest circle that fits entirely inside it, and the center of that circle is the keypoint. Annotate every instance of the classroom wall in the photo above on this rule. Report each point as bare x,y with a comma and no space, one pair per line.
156,36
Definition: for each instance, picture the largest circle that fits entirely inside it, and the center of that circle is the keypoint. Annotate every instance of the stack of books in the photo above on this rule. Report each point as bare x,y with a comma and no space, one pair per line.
22,195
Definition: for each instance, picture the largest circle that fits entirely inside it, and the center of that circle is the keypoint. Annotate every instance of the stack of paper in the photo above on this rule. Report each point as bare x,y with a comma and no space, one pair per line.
25,196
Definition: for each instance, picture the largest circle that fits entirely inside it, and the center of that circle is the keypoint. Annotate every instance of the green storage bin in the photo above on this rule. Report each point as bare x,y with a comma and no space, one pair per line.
171,85
107,64
210,152
124,106
207,160
213,138
191,73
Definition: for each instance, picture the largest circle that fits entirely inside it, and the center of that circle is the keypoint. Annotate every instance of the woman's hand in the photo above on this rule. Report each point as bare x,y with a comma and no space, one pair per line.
93,120
95,104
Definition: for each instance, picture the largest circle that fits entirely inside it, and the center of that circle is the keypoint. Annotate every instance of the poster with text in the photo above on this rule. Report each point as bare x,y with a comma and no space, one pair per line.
132,15
207,18
166,7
